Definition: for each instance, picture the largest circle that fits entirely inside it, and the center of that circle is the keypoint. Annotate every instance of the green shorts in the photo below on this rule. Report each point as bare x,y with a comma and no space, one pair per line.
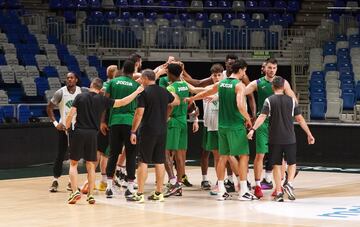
262,138
210,140
233,142
176,138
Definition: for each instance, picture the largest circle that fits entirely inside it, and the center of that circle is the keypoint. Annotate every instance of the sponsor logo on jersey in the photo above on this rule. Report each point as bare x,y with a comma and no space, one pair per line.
226,85
126,83
183,88
69,103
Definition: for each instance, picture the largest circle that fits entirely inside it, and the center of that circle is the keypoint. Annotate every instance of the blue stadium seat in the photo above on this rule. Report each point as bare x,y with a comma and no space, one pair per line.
68,5
70,16
293,6
225,6
250,4
121,3
229,16
318,75
201,16
349,99
13,4
50,71
94,4
163,38
85,82
280,4
357,90
347,76
24,114
164,6
209,5
264,4
110,15
2,60
335,17
178,38
330,67
184,16
81,4
318,109
168,16
344,67
41,85
55,4
7,111
341,37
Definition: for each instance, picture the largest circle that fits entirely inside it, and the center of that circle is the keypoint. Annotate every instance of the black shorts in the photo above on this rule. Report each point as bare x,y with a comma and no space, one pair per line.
120,136
280,151
151,148
102,142
83,144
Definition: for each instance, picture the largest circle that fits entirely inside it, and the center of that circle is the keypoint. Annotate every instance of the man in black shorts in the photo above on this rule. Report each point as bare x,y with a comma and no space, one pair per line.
88,108
281,110
150,137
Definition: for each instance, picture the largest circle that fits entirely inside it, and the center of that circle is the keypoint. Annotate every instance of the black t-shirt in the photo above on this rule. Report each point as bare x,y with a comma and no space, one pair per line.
89,107
281,109
155,100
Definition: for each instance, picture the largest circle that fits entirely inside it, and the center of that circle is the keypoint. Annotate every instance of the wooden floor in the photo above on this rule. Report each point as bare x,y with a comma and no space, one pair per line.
323,199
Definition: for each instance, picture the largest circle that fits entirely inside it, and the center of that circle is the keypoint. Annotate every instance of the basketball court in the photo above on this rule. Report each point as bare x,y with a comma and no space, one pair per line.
323,199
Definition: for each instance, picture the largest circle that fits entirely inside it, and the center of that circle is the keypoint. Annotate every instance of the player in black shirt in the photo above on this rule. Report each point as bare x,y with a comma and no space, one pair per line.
88,108
148,132
281,110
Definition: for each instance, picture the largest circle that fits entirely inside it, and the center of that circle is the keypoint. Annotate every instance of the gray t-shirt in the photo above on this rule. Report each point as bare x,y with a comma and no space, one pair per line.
56,99
281,110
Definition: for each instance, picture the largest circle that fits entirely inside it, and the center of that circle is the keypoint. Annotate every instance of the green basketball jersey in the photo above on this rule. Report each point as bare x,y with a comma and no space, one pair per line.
106,85
164,82
264,90
179,113
119,88
229,115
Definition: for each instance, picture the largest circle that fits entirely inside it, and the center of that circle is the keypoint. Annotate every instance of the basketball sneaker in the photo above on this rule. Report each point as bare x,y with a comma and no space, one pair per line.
90,199
266,185
286,176
258,193
156,197
215,190
247,196
173,190
223,196
135,197
248,185
74,197
205,185
54,186
229,186
128,194
102,186
109,193
186,181
68,187
289,191
279,197
274,192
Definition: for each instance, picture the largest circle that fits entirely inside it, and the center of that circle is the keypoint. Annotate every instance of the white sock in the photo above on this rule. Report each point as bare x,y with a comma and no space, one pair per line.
109,183
257,182
204,177
118,168
290,183
230,178
173,181
131,186
221,186
268,176
103,177
123,169
55,179
243,187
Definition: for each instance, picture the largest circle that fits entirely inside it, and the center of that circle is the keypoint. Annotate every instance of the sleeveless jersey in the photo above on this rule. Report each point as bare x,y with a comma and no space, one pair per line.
66,102
179,113
264,90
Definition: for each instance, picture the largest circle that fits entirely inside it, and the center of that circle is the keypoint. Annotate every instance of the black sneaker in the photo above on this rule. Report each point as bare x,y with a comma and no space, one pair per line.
223,196
286,176
205,185
229,186
248,185
289,191
54,186
247,196
128,194
186,181
109,193
68,187
173,190
279,197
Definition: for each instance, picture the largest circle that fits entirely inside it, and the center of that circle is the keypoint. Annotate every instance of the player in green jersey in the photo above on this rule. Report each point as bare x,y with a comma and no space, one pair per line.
263,87
233,116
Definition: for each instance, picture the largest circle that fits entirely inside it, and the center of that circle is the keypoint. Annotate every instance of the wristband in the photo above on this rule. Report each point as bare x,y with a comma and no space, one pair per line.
55,123
252,129
133,132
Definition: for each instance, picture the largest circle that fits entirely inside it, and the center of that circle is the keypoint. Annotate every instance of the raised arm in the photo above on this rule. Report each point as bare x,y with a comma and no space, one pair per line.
195,90
195,82
210,91
128,99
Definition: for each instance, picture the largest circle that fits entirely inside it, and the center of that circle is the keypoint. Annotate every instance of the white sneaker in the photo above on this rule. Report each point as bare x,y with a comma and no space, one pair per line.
247,196
223,196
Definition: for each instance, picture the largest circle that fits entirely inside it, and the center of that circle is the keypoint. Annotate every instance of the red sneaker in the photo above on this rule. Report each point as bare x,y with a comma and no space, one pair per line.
275,194
258,193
